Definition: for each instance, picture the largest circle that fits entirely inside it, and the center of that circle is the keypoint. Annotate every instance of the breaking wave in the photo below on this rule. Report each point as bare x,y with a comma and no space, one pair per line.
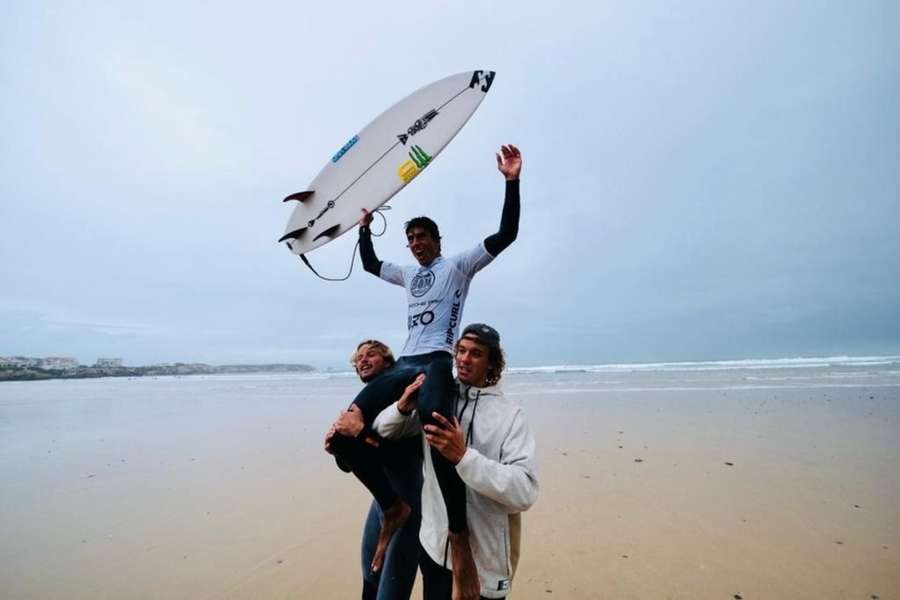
719,365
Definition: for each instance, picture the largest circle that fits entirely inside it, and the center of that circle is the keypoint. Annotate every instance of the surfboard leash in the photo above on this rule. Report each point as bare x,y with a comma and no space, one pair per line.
377,211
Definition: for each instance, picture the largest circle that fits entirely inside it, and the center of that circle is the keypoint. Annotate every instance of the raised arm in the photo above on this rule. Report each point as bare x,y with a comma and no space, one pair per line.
509,163
366,250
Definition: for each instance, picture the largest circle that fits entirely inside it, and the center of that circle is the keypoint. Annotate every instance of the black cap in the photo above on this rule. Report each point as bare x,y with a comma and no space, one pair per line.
485,334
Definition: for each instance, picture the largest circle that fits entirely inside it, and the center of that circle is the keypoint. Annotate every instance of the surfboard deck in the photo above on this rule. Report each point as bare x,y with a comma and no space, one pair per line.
380,160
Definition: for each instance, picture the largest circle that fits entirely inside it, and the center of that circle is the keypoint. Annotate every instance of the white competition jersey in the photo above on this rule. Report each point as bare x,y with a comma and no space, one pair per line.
436,295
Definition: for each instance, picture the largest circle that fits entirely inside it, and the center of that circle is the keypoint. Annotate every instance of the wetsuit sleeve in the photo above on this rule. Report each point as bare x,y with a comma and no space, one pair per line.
391,423
509,221
367,252
369,432
511,481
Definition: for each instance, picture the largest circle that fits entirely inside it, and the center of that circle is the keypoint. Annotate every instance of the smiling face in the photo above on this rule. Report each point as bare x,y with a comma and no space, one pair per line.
369,362
472,362
422,245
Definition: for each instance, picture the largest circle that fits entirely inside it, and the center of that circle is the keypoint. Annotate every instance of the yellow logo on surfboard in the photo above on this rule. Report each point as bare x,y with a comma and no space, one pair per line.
418,160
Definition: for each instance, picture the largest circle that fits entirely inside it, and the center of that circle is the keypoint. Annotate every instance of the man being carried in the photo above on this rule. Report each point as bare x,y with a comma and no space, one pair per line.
393,471
489,445
436,293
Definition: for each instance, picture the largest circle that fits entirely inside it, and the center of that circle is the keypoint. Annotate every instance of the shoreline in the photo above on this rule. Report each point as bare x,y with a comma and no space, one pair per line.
176,369
840,364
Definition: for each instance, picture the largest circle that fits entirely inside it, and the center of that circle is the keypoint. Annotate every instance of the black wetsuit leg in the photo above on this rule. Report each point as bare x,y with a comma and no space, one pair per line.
365,463
438,394
437,582
362,458
385,389
402,462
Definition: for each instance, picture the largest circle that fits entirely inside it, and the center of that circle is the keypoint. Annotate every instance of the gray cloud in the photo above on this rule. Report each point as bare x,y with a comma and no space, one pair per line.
702,182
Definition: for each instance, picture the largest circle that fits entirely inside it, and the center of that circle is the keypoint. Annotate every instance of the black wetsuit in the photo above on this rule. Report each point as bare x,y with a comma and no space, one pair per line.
438,392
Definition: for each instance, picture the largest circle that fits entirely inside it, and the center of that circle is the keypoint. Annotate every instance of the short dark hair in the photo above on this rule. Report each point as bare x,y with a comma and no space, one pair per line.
426,224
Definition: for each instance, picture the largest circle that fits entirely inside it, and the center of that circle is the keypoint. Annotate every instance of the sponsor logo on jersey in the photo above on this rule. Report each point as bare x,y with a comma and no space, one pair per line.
337,156
454,317
424,318
421,283
483,79
418,126
418,160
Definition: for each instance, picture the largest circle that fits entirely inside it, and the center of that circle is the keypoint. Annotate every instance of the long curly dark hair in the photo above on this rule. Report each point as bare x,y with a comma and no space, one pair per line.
496,360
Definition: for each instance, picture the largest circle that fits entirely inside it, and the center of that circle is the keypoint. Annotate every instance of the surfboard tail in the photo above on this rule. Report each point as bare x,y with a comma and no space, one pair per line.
299,196
293,235
330,232
298,233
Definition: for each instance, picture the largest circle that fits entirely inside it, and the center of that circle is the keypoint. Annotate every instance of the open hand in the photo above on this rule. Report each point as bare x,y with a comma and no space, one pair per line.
407,401
509,161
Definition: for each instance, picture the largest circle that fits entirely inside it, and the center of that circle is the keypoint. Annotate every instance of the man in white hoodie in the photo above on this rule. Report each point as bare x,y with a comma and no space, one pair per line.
493,451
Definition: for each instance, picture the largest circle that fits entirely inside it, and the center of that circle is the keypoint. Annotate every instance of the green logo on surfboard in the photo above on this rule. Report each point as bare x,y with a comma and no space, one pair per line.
418,160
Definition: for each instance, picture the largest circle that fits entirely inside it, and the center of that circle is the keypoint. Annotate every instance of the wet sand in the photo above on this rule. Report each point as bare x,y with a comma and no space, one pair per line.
712,494
652,486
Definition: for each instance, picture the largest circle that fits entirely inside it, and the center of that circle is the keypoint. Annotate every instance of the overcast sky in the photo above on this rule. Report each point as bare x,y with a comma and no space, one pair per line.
701,180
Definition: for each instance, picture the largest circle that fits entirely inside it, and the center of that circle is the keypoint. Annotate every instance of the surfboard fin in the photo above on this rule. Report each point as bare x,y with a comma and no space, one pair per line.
330,232
292,235
300,196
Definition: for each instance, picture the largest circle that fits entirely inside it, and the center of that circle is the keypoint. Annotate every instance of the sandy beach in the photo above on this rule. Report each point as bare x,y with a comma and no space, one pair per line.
780,483
680,217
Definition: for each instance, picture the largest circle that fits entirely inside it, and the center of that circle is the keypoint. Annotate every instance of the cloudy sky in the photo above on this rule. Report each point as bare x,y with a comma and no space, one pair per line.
702,181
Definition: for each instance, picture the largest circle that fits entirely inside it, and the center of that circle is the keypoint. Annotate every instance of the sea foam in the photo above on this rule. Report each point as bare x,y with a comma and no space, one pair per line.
719,365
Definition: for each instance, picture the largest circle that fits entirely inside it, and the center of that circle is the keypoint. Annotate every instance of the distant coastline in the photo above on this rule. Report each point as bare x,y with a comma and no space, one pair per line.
31,369
35,373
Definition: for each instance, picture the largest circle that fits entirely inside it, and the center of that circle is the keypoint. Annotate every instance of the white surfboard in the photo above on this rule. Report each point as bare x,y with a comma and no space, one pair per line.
380,160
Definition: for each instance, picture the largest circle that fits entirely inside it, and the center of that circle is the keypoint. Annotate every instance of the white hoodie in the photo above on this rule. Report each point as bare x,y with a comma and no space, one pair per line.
500,473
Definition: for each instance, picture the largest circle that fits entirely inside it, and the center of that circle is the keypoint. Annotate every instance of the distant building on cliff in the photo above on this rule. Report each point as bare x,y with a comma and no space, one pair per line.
20,362
108,362
56,363
59,362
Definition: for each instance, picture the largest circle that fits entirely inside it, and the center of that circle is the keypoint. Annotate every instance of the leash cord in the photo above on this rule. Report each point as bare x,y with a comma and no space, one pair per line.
378,211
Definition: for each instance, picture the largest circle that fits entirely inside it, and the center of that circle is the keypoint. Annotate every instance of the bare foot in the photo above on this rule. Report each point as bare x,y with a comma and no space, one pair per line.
465,575
394,517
